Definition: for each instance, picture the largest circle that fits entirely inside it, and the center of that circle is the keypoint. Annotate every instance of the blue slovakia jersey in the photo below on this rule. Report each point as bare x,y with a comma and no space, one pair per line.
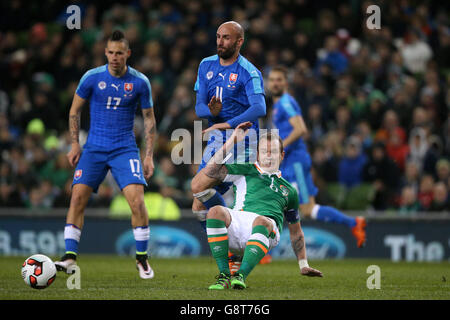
113,103
235,84
285,108
241,89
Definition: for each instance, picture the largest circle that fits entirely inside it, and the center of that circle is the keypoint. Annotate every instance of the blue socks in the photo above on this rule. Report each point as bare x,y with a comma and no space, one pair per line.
209,198
141,236
330,214
72,236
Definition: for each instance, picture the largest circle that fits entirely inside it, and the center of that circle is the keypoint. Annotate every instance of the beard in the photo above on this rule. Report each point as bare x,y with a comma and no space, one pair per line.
227,53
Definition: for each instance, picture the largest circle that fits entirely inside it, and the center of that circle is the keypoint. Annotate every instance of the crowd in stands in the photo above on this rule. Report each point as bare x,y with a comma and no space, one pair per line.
376,102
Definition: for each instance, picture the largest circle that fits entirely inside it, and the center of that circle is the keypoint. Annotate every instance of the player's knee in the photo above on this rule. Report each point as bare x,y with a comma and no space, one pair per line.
263,221
196,185
197,205
78,201
137,206
216,212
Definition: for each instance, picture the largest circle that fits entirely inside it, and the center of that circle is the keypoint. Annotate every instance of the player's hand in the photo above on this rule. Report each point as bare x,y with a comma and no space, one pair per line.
149,167
241,131
311,272
215,106
74,154
217,126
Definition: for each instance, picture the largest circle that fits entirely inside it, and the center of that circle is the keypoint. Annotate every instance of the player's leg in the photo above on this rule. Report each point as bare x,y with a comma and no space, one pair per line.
257,246
217,222
74,224
202,189
309,208
126,169
134,193
89,173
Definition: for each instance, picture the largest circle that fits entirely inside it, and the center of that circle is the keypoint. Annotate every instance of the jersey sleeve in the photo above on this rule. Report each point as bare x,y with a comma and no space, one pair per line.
85,86
291,213
146,93
237,169
254,84
290,107
201,103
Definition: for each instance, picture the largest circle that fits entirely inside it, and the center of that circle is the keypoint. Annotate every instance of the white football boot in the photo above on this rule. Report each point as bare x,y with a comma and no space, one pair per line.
65,264
145,271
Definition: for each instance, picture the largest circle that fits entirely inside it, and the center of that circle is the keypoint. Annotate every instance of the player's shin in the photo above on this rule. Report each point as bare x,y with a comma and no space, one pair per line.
201,217
218,242
256,249
72,235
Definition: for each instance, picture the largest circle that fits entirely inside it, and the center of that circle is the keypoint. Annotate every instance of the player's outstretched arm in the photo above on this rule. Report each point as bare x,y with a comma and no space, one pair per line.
74,129
215,172
299,247
150,134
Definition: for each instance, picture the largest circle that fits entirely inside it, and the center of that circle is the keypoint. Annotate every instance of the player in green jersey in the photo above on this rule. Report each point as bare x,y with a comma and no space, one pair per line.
263,199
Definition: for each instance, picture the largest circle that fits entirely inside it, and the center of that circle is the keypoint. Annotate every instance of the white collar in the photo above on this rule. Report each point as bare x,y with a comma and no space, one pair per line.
262,171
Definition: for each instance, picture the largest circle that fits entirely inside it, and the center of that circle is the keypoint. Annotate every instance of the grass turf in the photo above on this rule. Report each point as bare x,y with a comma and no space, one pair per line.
116,278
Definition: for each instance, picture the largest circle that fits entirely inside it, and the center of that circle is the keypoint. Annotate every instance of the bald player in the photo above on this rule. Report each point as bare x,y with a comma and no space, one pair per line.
230,91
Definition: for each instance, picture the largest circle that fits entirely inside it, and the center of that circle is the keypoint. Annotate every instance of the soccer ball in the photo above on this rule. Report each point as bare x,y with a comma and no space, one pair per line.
38,271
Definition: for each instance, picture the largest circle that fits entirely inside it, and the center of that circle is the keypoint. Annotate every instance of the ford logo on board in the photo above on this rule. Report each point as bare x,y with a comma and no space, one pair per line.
164,242
320,244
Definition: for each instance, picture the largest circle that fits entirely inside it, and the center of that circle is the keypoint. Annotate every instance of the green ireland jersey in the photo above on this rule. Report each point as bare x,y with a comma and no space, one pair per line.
266,194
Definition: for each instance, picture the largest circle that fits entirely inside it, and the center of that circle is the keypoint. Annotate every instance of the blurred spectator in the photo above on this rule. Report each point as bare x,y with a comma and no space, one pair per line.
443,170
384,176
441,201
411,176
352,164
425,195
408,202
415,52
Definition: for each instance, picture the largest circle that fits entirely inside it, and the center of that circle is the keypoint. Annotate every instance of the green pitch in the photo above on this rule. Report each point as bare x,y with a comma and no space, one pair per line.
113,277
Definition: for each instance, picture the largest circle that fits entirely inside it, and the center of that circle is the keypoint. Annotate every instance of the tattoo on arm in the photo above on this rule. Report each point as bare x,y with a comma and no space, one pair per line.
74,127
216,171
298,244
150,130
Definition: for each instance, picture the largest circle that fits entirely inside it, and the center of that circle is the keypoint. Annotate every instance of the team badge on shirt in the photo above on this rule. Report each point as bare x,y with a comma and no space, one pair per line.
209,75
233,77
78,174
128,87
102,85
284,190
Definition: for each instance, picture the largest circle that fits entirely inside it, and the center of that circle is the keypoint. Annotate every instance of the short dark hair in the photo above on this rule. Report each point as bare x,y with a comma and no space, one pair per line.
118,35
282,69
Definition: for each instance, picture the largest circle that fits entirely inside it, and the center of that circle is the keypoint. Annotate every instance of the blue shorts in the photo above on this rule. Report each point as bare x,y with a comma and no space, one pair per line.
299,175
124,163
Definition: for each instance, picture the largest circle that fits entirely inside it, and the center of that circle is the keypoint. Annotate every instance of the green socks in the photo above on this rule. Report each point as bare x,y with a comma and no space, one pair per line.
218,242
256,249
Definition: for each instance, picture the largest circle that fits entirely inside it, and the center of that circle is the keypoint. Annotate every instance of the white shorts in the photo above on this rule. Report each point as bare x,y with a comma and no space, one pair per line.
240,230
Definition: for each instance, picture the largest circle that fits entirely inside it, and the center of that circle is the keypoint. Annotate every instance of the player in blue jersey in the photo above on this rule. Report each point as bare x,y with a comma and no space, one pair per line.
114,92
296,166
230,91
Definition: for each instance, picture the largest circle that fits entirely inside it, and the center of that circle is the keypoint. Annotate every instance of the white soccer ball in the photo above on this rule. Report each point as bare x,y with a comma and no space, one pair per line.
38,271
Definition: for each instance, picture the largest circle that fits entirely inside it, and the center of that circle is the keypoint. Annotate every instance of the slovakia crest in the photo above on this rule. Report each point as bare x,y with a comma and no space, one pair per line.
128,87
233,77
78,174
